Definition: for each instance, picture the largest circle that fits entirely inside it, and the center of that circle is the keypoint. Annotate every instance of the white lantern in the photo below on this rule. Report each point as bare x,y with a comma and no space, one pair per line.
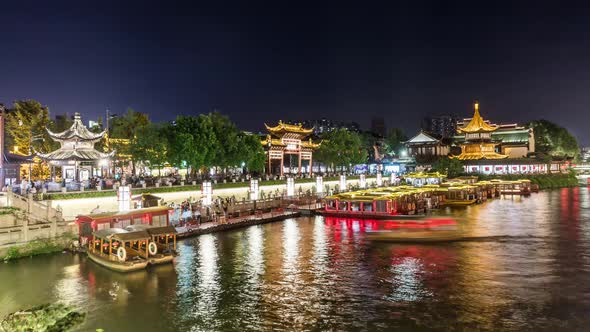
207,191
290,187
124,198
319,184
392,180
342,182
363,181
379,179
253,190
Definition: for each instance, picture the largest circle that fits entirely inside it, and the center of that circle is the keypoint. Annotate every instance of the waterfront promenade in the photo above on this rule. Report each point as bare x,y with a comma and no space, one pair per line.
78,206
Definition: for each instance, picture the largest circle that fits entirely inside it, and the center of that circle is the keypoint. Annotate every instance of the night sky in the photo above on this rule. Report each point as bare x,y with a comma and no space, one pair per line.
260,63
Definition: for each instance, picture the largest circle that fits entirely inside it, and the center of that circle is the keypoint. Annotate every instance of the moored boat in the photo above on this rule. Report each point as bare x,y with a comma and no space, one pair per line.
162,245
111,248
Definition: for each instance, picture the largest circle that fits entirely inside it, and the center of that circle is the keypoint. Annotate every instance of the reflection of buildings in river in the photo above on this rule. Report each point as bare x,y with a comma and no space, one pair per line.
415,269
118,288
198,278
255,254
320,257
290,248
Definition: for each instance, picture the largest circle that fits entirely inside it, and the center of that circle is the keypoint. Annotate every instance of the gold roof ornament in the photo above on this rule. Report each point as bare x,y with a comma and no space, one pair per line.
477,123
288,128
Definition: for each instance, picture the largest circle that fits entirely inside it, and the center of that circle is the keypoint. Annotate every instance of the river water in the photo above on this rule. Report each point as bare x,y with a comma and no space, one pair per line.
526,266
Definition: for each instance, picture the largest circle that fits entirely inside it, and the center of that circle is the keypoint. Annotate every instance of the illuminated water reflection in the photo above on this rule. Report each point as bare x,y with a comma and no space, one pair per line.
527,267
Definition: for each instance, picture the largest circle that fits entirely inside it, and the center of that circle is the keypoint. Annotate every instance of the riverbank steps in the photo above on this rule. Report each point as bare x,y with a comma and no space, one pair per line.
544,181
37,247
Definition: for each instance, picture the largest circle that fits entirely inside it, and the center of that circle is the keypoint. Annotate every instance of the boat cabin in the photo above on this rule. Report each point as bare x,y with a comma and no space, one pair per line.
164,236
155,216
106,244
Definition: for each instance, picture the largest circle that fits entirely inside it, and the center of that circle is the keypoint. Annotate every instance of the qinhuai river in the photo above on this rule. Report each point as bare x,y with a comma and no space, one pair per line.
527,269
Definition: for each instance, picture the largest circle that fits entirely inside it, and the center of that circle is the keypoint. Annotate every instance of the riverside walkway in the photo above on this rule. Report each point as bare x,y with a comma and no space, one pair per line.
223,224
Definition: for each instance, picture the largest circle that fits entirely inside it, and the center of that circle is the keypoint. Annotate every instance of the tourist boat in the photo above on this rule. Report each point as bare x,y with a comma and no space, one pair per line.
113,249
461,195
434,230
162,247
381,203
518,187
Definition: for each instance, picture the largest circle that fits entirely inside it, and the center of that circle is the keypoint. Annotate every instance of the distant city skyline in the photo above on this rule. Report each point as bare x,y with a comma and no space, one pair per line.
266,63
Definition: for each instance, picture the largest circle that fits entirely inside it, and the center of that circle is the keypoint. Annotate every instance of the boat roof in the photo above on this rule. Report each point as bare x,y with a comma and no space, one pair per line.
152,230
162,230
123,214
121,234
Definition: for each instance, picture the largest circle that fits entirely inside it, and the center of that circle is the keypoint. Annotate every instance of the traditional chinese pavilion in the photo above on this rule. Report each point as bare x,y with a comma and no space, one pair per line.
77,157
285,140
478,142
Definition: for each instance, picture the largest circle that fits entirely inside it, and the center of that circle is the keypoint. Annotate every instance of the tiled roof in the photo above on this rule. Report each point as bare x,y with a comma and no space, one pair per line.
76,131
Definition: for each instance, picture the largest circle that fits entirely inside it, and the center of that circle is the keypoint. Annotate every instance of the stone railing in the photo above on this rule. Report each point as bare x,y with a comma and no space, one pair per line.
31,220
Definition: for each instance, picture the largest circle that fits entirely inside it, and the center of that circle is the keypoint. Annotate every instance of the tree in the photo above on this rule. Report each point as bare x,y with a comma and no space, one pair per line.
150,144
450,166
554,140
343,148
226,153
192,142
394,140
124,127
25,123
252,152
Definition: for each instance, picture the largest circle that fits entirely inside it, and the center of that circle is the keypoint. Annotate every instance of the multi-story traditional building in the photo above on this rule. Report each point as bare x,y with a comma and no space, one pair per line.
77,157
513,140
495,149
286,141
427,144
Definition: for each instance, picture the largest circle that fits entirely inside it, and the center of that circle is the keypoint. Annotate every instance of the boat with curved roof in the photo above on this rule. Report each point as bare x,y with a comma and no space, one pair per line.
113,249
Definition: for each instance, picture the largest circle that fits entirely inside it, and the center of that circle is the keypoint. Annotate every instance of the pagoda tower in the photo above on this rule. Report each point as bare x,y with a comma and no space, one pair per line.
478,139
77,157
287,140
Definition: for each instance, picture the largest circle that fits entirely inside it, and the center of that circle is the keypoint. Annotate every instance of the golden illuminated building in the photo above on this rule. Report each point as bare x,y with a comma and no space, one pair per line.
478,142
286,140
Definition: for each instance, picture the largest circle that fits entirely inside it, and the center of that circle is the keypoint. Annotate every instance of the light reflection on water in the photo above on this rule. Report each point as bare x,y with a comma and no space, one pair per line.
527,267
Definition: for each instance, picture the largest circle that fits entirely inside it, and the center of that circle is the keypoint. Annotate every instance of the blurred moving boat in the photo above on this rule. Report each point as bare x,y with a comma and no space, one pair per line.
432,230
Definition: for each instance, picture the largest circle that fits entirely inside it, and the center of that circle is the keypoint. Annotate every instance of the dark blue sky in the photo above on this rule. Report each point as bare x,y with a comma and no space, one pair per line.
265,62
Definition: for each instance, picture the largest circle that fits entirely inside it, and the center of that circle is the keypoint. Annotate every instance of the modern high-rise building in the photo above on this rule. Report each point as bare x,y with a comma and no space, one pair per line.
444,126
325,125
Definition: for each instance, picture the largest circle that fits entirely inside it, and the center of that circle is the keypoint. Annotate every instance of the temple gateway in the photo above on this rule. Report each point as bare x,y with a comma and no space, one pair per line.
286,141
77,157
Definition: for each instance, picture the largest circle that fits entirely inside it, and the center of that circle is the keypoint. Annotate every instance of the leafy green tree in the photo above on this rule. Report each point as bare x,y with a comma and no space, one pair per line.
554,140
25,125
124,127
394,140
450,166
150,144
226,153
343,148
192,142
252,152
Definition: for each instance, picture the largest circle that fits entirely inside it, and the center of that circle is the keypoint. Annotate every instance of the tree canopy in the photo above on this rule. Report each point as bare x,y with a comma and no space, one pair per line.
25,123
554,140
451,167
343,148
394,140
